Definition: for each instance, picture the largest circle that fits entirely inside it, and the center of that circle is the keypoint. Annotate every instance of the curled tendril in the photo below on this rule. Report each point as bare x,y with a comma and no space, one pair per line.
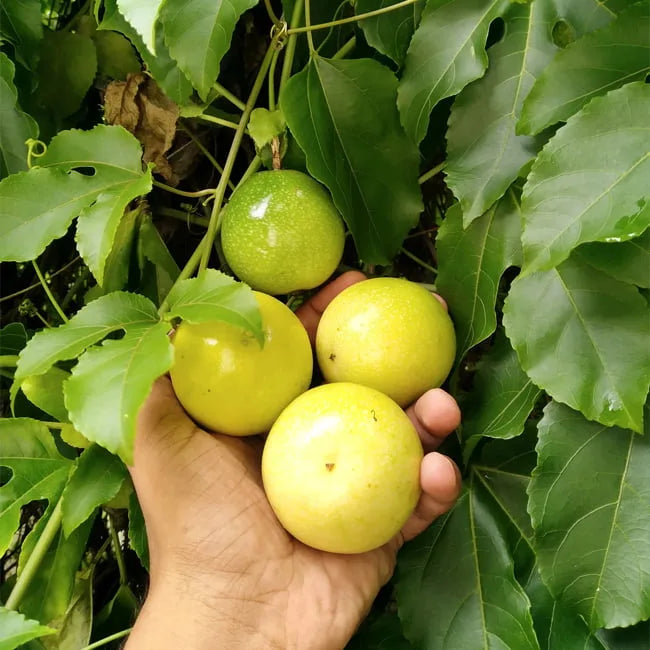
279,32
35,149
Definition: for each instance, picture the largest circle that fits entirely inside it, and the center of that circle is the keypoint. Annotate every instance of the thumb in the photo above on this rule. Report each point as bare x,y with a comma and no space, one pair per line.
162,431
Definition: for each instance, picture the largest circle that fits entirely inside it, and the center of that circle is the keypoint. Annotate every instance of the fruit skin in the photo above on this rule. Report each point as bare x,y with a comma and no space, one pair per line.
341,468
228,383
281,232
389,334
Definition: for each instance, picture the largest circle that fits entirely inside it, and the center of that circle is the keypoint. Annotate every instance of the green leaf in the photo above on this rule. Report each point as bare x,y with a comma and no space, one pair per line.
75,626
484,155
515,455
17,127
52,587
589,500
20,24
46,392
446,52
142,16
118,262
591,66
576,317
17,630
557,626
152,248
578,192
483,605
198,34
216,296
66,70
118,614
264,125
163,68
382,632
110,313
13,338
39,205
110,383
116,57
584,16
38,471
343,115
389,33
627,261
635,637
502,397
96,479
471,263
138,531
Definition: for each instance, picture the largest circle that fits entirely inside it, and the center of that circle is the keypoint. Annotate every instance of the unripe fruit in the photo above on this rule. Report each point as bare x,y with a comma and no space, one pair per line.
228,383
341,468
387,333
281,232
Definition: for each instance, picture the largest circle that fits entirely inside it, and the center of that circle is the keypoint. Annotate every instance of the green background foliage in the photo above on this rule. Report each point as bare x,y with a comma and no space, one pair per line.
496,151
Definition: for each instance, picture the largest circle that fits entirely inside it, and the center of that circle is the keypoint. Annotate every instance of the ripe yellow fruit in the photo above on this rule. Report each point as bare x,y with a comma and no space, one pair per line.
281,232
389,334
228,383
341,468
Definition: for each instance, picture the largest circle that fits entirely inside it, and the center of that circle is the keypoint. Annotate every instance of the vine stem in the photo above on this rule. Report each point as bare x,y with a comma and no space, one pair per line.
34,561
189,195
49,293
8,360
256,163
432,172
269,10
217,120
345,49
203,149
38,284
342,21
117,549
308,27
185,217
290,47
233,99
271,80
417,260
220,192
187,271
106,640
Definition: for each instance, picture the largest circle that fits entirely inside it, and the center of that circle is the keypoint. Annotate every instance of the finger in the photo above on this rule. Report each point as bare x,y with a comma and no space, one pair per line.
313,309
435,415
441,483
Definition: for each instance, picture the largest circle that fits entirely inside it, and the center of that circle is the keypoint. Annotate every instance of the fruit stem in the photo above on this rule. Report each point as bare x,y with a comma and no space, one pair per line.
342,21
49,293
432,172
220,192
38,554
8,360
290,48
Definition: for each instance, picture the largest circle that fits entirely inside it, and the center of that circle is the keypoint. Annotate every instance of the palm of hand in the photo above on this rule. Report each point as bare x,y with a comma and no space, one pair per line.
210,480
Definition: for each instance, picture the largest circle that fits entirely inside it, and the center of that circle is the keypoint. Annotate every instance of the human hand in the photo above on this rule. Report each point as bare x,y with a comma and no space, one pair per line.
224,573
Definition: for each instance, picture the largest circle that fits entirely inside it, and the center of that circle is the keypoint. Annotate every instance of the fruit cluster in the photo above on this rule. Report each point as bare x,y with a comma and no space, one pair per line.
341,461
